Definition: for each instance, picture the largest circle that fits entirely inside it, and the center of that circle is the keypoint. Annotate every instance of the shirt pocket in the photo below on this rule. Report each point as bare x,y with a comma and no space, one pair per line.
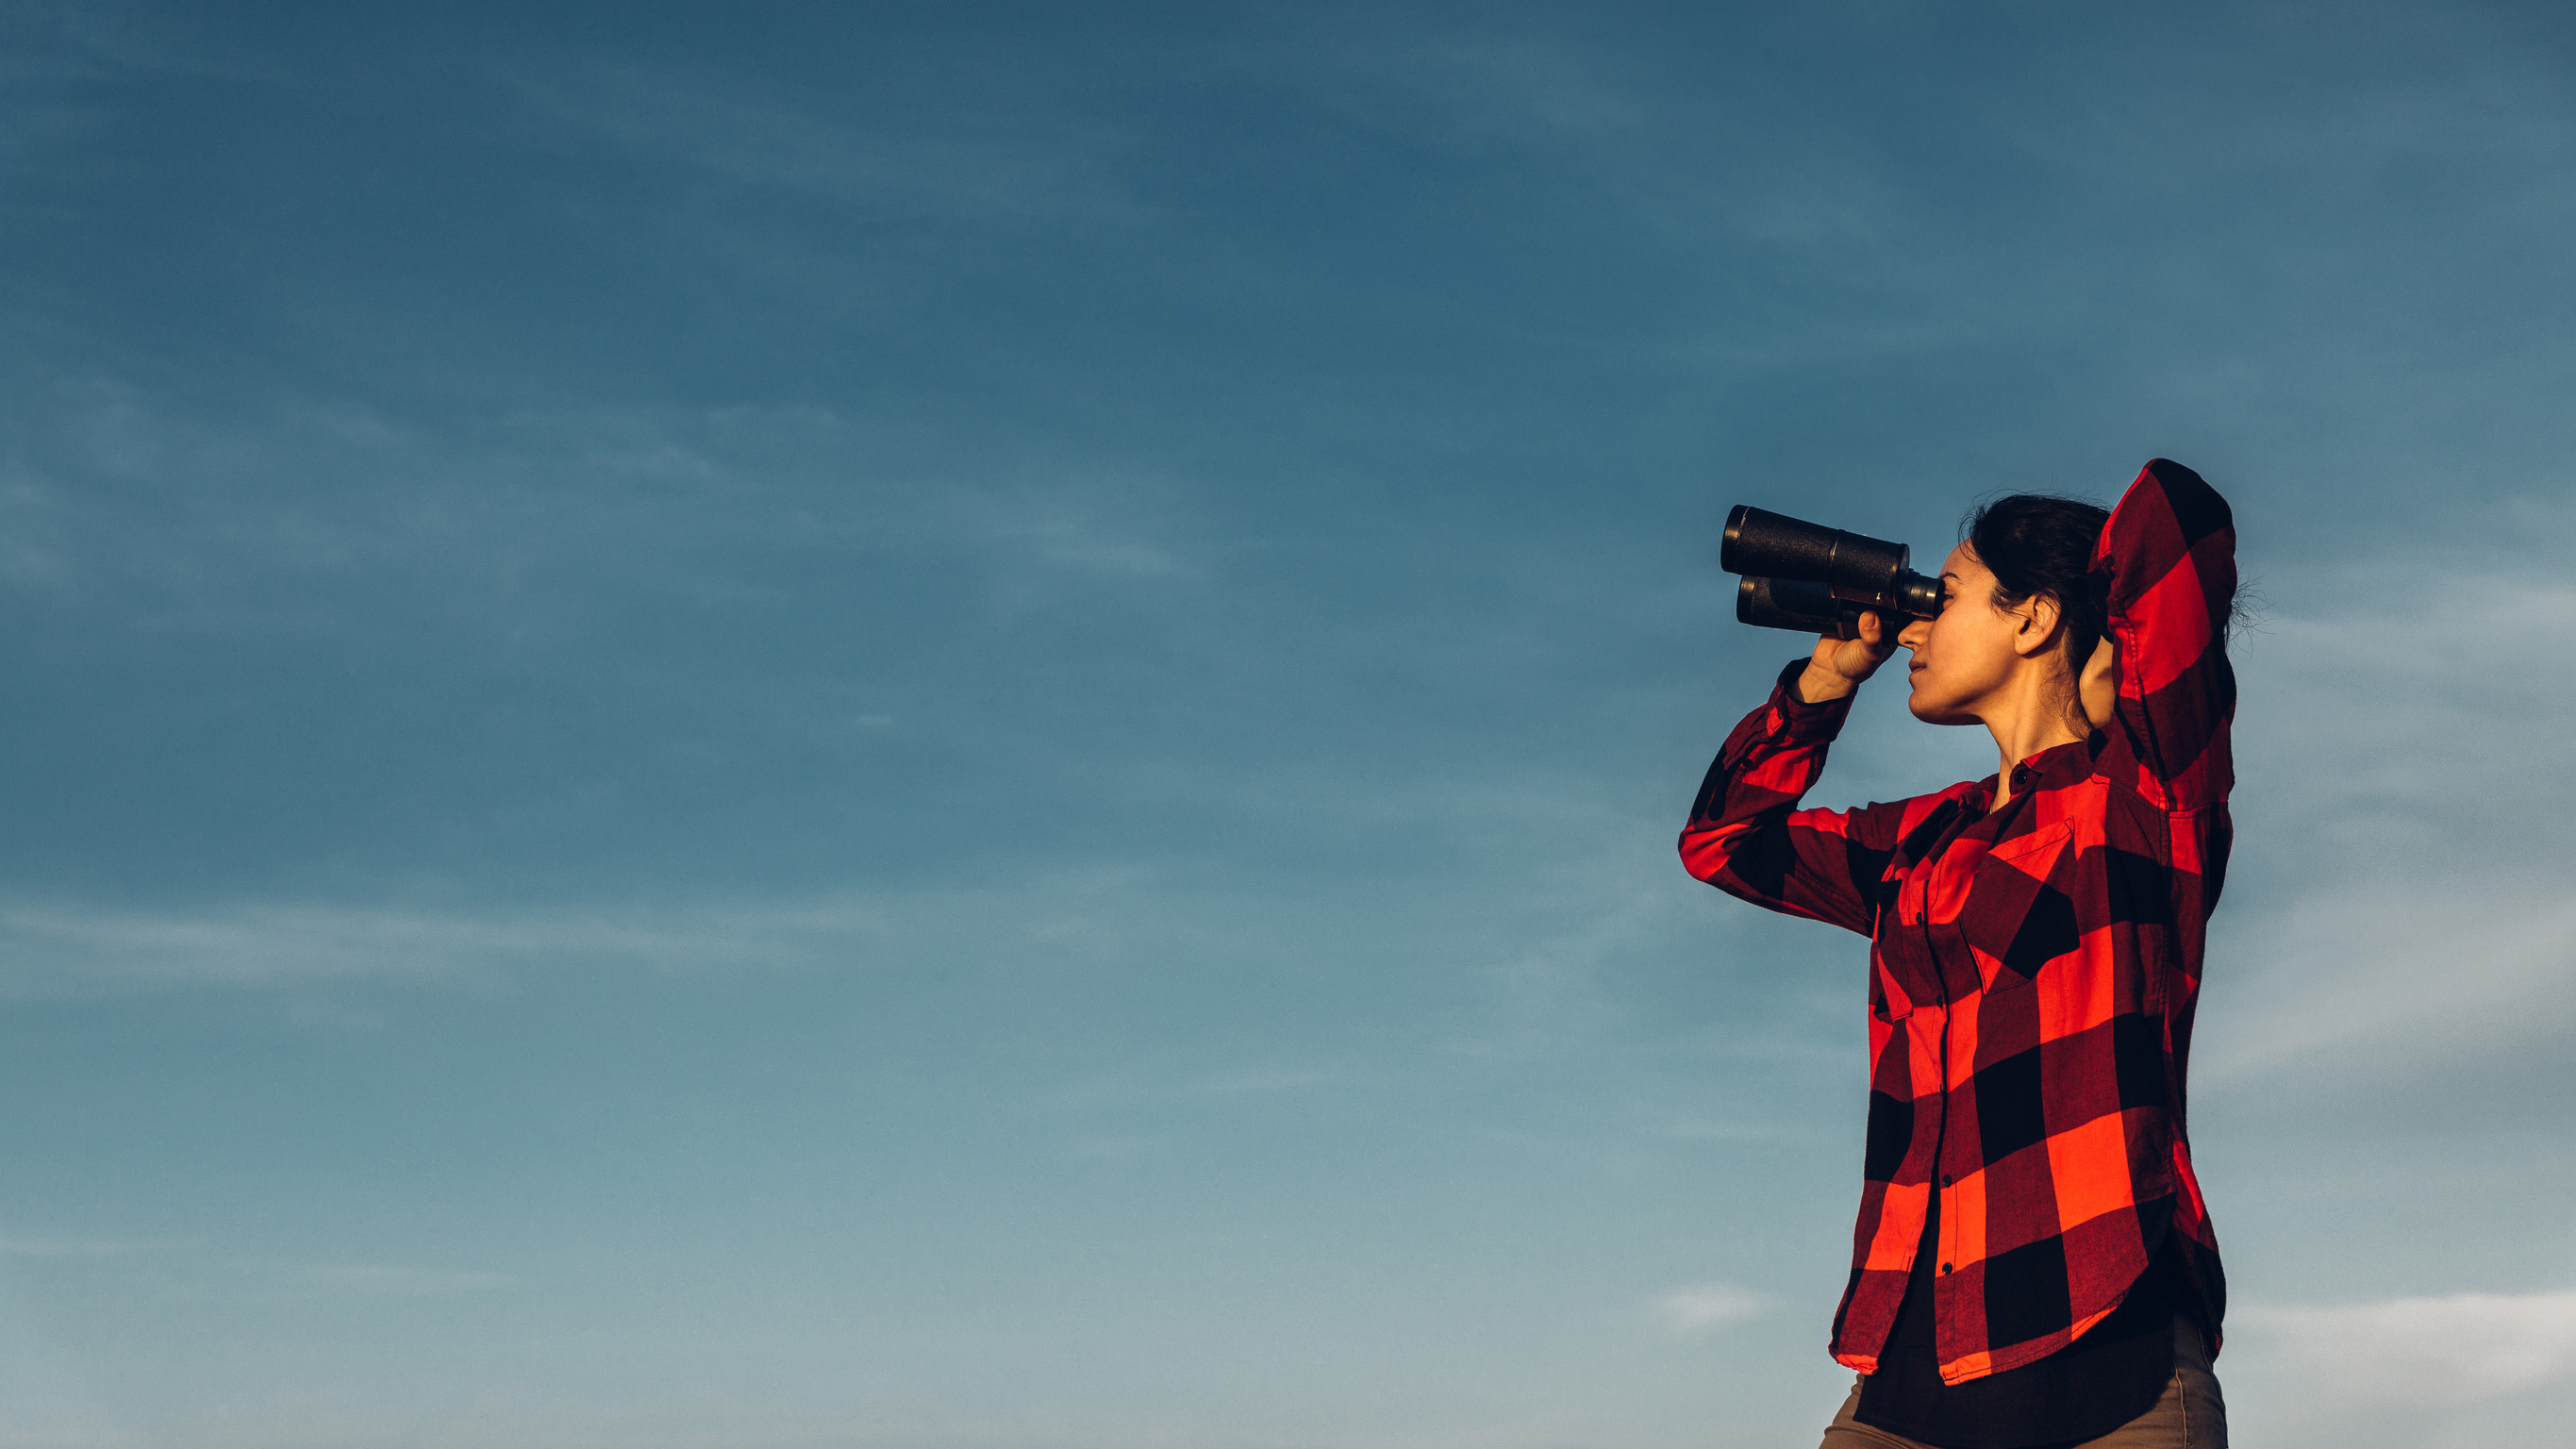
2034,852
2196,847
2015,918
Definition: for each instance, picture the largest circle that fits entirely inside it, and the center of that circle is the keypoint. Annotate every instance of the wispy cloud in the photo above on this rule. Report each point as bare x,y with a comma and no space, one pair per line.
83,1248
388,1280
293,1279
1708,1307
1693,1130
760,136
1490,93
1178,1084
2430,1351
535,523
59,948
2431,966
2409,756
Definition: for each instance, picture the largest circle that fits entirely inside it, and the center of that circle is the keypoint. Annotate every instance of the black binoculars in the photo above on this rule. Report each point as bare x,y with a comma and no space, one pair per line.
1820,580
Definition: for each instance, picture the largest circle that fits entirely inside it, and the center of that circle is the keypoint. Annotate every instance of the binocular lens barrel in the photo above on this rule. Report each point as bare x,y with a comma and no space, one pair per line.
1792,604
1787,561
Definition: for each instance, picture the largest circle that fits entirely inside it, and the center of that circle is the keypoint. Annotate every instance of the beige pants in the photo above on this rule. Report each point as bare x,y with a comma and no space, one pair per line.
2191,1415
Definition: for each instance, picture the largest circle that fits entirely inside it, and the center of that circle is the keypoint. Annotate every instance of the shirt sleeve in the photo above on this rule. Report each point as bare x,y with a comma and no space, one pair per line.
2165,571
1747,837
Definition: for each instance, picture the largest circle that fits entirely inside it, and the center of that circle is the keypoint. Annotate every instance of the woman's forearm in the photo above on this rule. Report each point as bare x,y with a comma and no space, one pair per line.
1816,686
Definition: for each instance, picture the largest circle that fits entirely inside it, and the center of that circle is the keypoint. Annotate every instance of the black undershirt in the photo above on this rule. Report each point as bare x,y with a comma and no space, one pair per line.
2083,1391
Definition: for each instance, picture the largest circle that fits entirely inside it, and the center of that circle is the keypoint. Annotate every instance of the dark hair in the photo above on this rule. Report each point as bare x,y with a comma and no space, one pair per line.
2039,544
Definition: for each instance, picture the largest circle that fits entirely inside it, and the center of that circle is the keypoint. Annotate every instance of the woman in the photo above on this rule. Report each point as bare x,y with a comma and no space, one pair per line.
2033,1264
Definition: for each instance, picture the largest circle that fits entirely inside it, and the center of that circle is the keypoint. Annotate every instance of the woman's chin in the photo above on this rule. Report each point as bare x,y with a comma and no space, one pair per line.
1938,711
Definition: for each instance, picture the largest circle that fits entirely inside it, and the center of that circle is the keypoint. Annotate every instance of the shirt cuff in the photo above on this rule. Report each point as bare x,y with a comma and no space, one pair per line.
1803,722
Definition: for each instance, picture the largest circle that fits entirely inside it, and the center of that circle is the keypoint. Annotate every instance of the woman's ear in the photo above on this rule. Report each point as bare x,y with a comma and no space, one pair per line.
2039,615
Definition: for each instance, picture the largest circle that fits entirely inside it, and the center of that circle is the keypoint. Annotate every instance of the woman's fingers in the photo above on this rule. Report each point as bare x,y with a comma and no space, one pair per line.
1839,664
1852,659
1876,640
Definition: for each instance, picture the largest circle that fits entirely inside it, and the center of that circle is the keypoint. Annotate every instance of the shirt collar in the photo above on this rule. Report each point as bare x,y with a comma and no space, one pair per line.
2057,765
2047,770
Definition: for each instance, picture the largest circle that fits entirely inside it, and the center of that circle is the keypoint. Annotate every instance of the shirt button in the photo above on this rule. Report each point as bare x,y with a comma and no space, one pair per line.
1945,1179
1945,1267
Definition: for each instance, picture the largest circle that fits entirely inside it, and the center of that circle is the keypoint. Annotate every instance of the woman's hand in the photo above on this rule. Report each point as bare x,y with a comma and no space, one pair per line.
1841,664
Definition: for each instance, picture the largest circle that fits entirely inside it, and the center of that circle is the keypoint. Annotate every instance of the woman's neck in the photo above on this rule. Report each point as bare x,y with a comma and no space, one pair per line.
2041,712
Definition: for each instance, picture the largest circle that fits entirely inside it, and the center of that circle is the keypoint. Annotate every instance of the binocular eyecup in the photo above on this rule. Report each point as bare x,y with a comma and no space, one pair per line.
1817,580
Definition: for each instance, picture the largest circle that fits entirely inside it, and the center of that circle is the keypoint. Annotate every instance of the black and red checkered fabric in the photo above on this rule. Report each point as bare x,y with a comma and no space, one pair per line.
2034,967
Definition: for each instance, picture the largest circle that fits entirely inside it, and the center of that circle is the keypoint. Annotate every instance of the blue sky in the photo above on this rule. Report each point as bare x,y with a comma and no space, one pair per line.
961,725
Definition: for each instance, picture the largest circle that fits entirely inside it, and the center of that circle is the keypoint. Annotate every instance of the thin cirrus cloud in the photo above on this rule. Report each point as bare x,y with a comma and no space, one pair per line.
1709,1307
126,490
394,1280
72,950
67,949
79,1248
754,138
2433,1351
2420,914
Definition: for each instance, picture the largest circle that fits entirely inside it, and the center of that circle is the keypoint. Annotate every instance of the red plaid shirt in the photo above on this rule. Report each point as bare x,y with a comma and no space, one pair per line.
2033,969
